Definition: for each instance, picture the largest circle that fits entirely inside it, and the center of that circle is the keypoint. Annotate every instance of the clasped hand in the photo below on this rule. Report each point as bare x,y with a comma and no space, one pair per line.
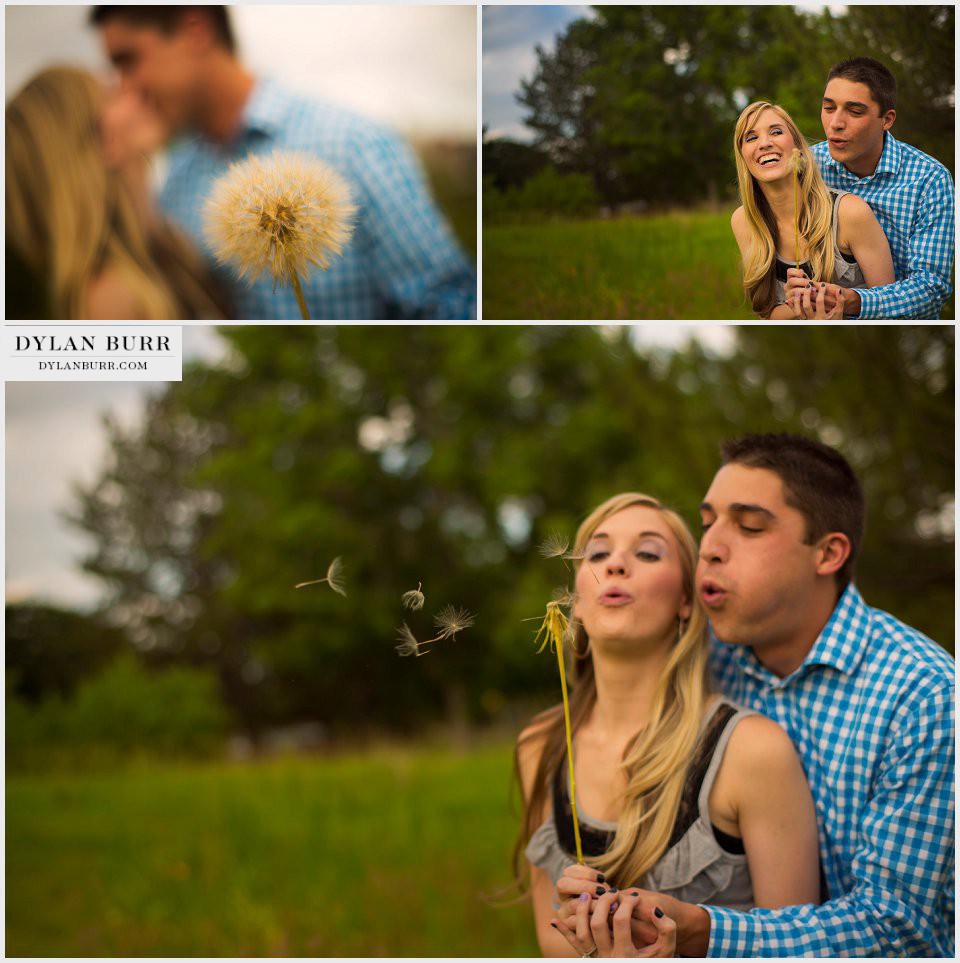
813,301
600,920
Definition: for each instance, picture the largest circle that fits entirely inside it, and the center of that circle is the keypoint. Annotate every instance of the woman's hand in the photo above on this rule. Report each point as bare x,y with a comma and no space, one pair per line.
797,280
602,927
824,307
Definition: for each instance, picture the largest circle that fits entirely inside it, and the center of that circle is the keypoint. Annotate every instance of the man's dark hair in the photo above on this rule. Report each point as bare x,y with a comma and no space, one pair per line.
866,70
817,480
167,19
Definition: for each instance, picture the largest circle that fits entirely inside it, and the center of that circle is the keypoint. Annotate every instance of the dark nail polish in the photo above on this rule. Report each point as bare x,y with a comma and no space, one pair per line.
613,889
600,891
601,878
634,893
554,925
658,913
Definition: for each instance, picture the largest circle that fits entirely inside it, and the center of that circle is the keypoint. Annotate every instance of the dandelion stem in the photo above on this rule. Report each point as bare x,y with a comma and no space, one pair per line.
296,287
796,214
554,628
566,723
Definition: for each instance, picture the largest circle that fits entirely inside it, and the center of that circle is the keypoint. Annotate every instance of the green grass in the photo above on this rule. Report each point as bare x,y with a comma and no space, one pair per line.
678,266
382,854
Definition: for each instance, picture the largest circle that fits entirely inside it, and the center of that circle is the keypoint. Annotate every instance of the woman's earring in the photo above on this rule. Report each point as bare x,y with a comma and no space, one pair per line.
680,630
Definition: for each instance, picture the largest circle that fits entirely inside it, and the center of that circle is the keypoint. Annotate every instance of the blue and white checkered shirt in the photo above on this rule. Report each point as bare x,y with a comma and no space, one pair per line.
870,712
911,195
403,262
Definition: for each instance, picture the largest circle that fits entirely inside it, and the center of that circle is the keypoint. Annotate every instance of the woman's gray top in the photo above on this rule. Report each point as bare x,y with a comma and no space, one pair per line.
846,271
695,869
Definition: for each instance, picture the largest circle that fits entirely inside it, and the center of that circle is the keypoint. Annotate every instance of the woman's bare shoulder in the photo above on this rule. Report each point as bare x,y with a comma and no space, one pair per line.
759,746
110,298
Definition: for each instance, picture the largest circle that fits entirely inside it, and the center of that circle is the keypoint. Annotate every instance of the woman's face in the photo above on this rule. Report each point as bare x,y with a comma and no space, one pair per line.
630,583
130,131
766,146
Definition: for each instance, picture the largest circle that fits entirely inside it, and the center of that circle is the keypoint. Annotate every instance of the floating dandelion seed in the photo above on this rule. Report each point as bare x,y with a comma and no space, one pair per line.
554,546
334,578
284,213
407,643
554,631
413,599
450,620
579,557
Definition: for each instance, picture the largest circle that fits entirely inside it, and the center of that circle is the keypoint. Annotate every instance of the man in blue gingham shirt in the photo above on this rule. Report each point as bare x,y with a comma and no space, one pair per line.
910,193
870,711
402,262
866,700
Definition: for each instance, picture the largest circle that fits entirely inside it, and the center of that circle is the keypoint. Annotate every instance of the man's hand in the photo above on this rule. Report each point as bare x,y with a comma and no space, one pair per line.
692,922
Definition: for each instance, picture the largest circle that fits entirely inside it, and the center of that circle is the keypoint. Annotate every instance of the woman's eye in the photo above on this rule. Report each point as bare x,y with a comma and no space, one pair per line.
752,531
596,556
648,556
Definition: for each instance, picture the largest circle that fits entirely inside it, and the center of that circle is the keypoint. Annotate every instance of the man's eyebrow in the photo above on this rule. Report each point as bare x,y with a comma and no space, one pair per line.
849,103
742,508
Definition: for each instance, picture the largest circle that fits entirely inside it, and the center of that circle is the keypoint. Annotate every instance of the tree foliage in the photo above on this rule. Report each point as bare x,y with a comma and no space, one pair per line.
645,98
443,456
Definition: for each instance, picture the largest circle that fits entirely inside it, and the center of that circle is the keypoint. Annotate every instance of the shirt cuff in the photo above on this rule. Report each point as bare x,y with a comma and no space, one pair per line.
728,936
867,300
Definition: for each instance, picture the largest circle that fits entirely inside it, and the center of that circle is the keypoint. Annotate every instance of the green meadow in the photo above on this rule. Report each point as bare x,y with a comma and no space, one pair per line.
392,852
683,265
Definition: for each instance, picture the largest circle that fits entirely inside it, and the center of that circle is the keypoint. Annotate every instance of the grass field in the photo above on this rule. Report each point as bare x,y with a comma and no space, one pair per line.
676,266
382,854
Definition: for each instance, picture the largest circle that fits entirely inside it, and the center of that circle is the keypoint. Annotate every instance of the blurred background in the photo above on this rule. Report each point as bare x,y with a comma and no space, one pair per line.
608,176
410,67
202,760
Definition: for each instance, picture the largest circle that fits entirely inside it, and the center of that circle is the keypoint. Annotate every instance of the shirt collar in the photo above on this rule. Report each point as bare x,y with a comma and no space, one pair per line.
889,162
840,645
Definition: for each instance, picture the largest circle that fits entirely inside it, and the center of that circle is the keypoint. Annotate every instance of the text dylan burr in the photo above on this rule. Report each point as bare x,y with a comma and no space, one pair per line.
92,342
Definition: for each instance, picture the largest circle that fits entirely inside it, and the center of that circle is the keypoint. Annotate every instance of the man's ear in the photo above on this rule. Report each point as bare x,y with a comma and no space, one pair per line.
888,118
833,550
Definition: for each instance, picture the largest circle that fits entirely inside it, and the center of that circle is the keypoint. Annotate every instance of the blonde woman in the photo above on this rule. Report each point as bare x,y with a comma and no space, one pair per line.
833,235
79,214
677,790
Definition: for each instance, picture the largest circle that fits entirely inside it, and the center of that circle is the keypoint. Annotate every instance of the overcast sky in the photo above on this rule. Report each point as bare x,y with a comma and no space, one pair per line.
54,438
412,67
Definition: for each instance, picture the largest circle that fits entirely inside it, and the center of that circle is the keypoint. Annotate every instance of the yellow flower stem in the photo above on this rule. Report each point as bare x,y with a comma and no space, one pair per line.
796,216
296,287
566,722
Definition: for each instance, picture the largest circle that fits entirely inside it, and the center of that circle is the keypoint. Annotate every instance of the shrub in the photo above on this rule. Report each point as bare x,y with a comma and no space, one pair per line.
547,194
123,710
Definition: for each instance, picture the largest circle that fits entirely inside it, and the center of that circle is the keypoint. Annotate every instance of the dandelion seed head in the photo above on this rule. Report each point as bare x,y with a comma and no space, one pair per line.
564,597
413,599
450,620
284,214
797,161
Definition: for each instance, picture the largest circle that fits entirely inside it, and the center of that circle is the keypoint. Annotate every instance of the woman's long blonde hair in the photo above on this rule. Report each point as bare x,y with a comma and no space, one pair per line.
69,217
656,761
815,215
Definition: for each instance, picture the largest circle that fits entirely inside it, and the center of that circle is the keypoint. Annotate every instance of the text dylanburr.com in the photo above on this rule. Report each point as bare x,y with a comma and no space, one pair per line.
83,352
